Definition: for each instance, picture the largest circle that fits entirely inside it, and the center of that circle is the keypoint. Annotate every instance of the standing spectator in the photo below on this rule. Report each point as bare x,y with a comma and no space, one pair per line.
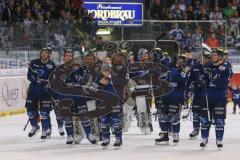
188,43
212,41
18,14
59,41
8,11
64,21
197,40
48,19
157,10
92,25
177,34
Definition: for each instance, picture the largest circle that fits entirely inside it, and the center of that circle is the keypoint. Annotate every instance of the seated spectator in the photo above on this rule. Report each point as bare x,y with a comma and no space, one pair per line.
216,14
234,25
230,40
212,41
190,13
228,11
203,15
181,4
197,7
28,21
157,11
177,13
37,10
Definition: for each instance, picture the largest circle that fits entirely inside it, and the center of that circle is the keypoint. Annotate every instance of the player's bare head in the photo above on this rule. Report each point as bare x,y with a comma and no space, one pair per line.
143,55
182,60
45,53
107,60
118,59
68,56
89,59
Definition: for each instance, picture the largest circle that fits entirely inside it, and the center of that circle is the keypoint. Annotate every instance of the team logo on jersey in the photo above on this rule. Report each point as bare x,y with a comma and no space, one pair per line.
222,68
40,72
49,66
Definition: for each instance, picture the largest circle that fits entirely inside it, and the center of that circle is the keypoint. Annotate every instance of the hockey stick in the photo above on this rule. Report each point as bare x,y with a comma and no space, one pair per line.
205,86
26,124
158,38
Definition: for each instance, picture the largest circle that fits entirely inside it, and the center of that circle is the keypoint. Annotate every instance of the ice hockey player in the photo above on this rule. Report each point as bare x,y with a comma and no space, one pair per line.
197,82
171,103
38,73
114,118
92,67
217,75
76,78
143,103
235,97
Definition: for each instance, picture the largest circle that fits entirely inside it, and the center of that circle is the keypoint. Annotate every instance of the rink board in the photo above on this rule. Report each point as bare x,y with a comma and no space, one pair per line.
13,95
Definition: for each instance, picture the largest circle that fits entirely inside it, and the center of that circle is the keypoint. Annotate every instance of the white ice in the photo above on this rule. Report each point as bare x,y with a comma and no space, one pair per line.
15,144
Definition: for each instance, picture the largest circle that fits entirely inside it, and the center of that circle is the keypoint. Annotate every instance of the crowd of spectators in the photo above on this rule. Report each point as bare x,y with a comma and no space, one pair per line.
61,23
37,23
213,34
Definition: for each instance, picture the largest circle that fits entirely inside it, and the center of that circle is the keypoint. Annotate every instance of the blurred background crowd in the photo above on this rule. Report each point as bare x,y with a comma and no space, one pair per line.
61,23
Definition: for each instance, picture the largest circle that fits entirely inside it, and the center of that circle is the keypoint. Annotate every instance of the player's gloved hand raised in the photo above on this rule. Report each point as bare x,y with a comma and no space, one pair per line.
208,73
90,87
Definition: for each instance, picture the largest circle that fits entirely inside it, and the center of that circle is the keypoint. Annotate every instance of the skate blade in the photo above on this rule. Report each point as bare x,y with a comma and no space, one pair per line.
164,143
203,148
77,142
104,147
35,133
193,138
117,147
175,144
219,148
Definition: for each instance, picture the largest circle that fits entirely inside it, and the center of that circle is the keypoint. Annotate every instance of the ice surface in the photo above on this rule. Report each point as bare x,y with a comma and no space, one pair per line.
14,144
